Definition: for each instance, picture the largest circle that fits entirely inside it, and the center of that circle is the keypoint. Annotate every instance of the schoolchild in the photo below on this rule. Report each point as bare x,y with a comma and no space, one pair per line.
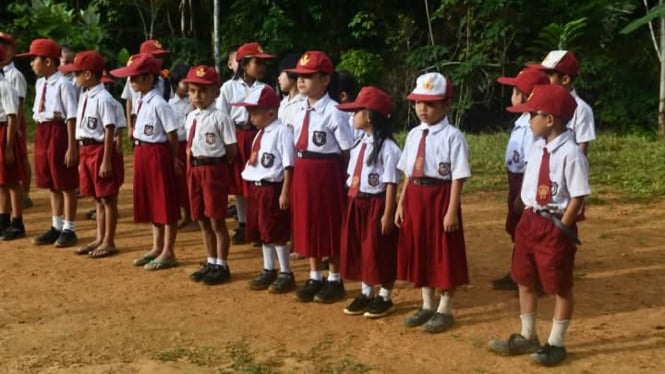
100,164
268,173
322,140
251,61
431,249
347,90
519,145
11,167
563,68
211,146
556,181
369,237
288,86
56,150
155,161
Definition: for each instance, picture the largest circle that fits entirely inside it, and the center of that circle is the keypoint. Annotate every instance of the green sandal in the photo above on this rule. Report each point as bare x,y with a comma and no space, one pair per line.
141,261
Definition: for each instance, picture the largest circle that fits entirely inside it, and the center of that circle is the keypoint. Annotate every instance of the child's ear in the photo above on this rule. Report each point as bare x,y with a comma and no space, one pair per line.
566,80
343,97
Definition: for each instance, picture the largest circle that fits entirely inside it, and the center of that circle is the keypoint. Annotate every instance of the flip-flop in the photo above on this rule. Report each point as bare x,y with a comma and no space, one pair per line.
84,250
160,265
141,261
101,253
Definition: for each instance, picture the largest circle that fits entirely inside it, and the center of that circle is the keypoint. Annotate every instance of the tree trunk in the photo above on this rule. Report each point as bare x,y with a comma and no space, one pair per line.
215,36
661,102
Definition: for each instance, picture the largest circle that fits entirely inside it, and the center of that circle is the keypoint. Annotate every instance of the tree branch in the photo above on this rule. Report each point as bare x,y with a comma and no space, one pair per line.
653,34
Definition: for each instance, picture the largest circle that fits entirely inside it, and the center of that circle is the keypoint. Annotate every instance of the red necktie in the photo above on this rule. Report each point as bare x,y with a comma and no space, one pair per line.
301,145
139,108
190,137
355,181
42,101
419,166
82,115
544,192
255,149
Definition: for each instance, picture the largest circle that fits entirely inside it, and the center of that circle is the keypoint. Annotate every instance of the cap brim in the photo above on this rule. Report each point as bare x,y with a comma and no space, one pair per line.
26,54
69,68
106,80
199,81
419,97
539,67
521,108
349,107
302,71
123,72
508,81
160,52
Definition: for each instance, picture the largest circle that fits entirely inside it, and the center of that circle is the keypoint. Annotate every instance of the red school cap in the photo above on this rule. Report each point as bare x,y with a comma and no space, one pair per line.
202,75
3,54
153,47
7,39
83,61
371,98
106,78
252,49
525,80
313,62
564,62
42,48
260,97
548,98
138,64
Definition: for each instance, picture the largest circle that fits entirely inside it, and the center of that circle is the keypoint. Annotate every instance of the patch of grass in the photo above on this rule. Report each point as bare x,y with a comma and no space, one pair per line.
243,360
197,356
348,365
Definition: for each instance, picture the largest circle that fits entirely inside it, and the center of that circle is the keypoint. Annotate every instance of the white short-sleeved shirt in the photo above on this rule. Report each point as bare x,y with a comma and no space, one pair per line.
8,100
181,107
214,130
128,93
569,172
235,91
357,134
275,154
519,145
288,109
155,119
329,130
61,99
582,123
446,152
374,177
99,113
120,118
16,79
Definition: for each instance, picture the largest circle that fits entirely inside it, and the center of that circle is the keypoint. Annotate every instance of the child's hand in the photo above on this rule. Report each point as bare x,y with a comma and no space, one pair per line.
9,157
450,222
518,205
399,216
283,201
72,157
105,170
387,224
179,167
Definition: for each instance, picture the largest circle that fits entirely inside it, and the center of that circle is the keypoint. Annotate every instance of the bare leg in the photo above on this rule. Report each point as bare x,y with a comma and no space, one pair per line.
170,231
110,209
222,239
70,204
208,237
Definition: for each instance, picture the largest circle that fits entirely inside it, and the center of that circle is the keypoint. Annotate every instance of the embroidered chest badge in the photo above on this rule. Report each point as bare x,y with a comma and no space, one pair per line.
373,179
444,169
92,123
319,138
267,160
211,138
148,130
516,157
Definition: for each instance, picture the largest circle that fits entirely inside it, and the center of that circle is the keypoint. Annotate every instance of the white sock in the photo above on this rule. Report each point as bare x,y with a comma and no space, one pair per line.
316,275
221,262
366,289
212,260
56,222
445,305
558,333
528,325
241,208
428,298
334,277
283,257
268,256
385,293
68,225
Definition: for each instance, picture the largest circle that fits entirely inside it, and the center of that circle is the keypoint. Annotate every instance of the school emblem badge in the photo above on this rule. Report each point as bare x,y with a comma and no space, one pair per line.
516,157
148,130
210,138
130,61
267,160
373,179
319,138
444,169
304,60
555,188
157,44
543,192
428,85
92,123
200,72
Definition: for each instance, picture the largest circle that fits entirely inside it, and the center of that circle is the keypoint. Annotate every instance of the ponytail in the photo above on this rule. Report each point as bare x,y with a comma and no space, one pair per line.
382,130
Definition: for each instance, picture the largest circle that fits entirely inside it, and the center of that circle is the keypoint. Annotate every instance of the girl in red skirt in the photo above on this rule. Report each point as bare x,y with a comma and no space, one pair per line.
323,138
431,250
251,68
369,238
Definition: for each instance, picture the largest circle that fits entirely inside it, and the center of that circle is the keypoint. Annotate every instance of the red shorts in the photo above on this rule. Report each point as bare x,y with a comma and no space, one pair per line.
181,184
245,139
50,148
155,198
208,190
543,251
317,204
22,139
90,184
15,172
427,256
367,255
266,222
514,190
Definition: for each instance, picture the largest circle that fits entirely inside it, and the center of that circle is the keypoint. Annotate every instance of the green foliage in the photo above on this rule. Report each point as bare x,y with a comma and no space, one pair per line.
366,67
656,12
560,36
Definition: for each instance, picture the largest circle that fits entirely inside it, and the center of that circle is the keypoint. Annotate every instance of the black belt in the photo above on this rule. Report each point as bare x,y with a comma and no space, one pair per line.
141,142
366,195
3,123
265,183
428,181
554,217
89,141
245,126
206,161
316,155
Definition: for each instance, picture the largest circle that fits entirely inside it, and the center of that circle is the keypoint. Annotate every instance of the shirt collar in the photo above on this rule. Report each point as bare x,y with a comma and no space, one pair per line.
523,120
436,127
177,99
320,105
8,67
559,141
95,90
271,126
149,96
54,78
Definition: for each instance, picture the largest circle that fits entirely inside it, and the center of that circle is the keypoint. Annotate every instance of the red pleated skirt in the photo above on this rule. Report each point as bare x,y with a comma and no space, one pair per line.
245,138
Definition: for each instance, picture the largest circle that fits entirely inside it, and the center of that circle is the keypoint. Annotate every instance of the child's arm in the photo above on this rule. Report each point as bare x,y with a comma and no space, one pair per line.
584,147
450,221
12,128
72,154
388,218
399,214
105,169
118,140
286,187
173,145
570,215
231,152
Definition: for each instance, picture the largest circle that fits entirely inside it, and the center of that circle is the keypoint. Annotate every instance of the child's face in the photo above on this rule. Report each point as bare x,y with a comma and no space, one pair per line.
255,68
361,120
558,78
313,85
285,84
9,51
182,89
42,66
518,97
67,58
541,123
431,112
84,79
232,64
202,95
141,83
262,117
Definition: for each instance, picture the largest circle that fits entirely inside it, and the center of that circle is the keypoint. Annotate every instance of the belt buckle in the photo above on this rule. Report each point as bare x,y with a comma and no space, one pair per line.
258,183
299,154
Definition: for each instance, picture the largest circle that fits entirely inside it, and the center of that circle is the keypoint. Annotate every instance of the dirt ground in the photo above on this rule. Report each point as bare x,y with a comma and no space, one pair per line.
65,314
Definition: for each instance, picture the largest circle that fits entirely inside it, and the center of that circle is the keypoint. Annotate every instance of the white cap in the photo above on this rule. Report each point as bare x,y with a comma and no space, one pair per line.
431,87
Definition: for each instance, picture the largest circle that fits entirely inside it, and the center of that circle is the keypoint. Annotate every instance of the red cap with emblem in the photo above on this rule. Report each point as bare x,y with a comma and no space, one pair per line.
564,62
260,97
7,39
313,62
84,61
371,98
42,48
153,47
202,75
252,49
526,80
548,98
137,65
